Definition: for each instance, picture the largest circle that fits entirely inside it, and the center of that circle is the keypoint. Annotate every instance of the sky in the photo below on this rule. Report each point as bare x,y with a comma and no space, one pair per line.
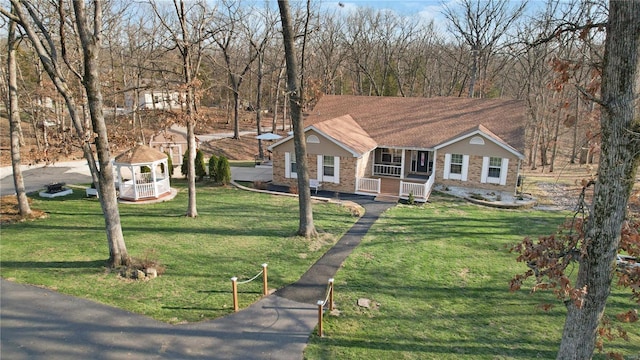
427,9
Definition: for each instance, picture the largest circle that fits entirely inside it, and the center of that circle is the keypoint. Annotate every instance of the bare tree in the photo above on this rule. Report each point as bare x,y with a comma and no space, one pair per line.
620,124
189,39
483,26
232,37
306,227
14,122
41,38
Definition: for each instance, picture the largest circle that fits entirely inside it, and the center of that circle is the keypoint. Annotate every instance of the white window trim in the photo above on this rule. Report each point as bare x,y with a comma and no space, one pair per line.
287,167
336,170
504,167
447,167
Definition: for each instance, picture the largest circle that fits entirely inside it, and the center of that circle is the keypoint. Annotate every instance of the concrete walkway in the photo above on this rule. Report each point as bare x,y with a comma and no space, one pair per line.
37,323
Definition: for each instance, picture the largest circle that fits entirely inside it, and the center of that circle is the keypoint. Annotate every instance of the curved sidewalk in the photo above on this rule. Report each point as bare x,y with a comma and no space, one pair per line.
36,323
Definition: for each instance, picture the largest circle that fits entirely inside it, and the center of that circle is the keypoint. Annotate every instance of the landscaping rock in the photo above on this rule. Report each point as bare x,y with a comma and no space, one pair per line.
366,303
139,274
152,273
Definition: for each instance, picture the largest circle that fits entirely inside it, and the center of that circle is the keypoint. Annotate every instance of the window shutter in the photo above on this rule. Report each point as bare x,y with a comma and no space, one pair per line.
336,170
465,167
485,169
447,166
503,171
287,165
320,165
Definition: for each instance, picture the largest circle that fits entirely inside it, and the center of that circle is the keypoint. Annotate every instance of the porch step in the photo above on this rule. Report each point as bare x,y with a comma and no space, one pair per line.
386,198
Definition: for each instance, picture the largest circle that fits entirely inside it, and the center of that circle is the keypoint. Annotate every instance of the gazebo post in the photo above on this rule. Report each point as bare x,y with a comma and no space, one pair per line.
135,182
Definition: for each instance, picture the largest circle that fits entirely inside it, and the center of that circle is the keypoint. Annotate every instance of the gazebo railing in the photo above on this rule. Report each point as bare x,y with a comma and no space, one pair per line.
128,189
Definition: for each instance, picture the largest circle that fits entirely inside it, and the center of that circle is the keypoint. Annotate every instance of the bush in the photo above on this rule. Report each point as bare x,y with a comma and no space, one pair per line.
223,171
412,199
213,163
169,165
201,170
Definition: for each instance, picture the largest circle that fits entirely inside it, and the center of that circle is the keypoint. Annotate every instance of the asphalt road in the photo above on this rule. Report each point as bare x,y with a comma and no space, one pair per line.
36,177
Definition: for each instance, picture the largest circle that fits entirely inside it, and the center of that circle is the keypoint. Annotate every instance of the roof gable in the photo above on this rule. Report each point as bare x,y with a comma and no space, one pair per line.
342,131
345,132
481,130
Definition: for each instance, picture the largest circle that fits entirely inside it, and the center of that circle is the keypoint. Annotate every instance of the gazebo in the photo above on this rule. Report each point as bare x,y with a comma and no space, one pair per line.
142,174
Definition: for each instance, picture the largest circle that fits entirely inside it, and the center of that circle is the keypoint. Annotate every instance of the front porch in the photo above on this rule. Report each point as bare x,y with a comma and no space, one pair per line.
399,173
419,187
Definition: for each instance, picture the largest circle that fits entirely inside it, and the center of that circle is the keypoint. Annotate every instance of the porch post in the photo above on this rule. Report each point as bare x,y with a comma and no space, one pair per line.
402,164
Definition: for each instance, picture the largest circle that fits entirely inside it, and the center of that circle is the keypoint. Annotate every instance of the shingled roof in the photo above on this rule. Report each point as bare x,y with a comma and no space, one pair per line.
423,122
348,133
141,154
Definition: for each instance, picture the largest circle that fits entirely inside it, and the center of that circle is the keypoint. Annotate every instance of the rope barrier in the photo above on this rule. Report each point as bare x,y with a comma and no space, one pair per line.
321,303
250,280
235,283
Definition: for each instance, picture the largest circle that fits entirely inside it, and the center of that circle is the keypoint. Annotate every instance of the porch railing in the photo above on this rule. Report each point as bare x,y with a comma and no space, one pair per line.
387,170
420,191
368,185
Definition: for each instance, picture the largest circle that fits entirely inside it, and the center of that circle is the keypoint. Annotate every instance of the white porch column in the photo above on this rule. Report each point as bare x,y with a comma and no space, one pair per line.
402,164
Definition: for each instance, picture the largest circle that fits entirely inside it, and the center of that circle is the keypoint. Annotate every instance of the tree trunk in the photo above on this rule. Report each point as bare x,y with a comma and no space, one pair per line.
306,227
236,110
619,160
259,103
14,124
106,186
192,210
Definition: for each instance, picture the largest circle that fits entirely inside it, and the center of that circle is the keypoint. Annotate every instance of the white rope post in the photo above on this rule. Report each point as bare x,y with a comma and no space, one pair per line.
320,308
265,286
234,289
331,294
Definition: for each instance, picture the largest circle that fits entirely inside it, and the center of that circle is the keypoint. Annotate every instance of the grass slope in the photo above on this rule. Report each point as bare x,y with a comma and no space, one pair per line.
440,274
235,232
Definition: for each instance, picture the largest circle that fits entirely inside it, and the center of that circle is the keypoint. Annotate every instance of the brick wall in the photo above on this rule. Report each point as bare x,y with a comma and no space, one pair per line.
475,174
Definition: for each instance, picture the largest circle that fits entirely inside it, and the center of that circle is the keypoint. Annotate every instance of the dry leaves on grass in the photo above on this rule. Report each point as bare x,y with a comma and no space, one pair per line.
9,212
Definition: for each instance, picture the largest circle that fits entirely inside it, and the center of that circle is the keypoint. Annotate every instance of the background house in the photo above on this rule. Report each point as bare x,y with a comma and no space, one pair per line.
155,99
401,146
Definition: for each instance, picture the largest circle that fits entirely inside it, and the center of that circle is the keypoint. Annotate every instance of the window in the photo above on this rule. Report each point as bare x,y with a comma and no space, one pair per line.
495,165
328,166
312,139
292,161
391,156
456,164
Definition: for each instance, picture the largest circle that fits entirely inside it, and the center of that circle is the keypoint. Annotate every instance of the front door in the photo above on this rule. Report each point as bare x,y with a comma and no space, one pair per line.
423,162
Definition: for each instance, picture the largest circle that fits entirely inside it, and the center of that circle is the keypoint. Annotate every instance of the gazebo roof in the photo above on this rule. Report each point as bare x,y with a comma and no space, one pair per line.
140,154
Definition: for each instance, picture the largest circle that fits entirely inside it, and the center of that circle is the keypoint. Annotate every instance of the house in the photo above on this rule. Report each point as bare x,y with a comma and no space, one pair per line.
155,100
401,146
172,141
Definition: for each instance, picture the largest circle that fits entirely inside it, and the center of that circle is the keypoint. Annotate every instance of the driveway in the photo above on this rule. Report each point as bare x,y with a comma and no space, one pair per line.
77,172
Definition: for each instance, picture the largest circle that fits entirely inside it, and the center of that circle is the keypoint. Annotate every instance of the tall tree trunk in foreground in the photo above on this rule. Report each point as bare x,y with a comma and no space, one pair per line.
620,124
306,227
106,186
28,19
14,124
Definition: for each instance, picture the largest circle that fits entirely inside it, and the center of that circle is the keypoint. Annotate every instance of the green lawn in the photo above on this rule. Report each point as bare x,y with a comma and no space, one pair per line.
439,272
236,231
440,275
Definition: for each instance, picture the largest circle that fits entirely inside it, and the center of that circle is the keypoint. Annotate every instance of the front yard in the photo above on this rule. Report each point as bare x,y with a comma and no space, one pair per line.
437,276
438,280
236,231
